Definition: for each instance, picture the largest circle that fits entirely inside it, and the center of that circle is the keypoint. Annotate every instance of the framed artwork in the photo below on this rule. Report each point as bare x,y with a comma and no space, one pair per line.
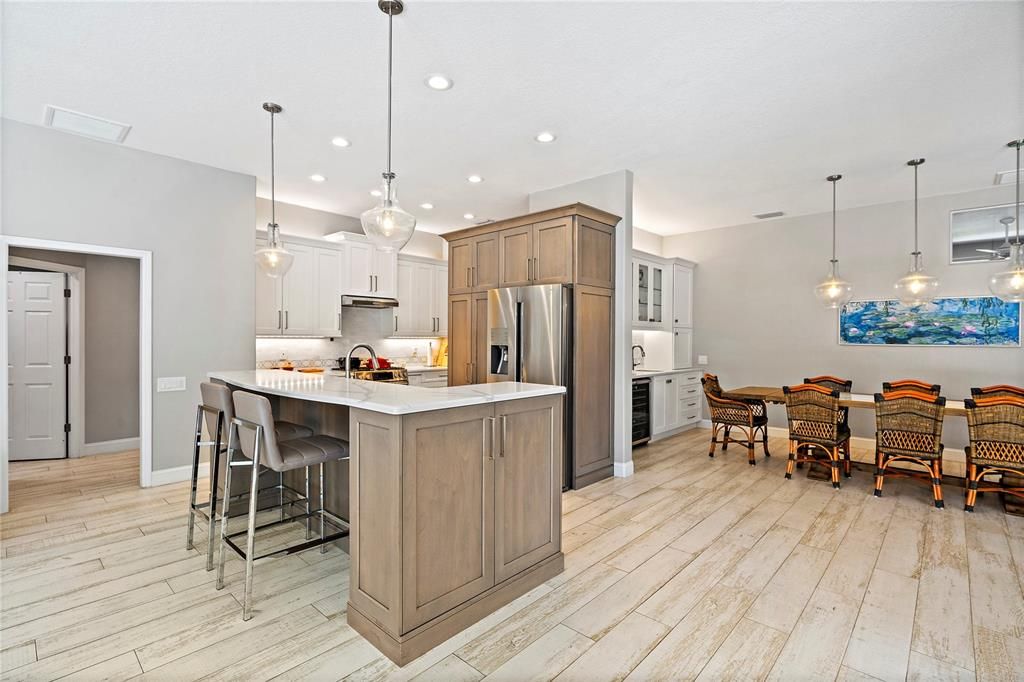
970,321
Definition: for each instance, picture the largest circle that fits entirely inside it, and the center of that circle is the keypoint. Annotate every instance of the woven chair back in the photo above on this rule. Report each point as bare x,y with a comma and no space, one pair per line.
910,421
995,425
911,385
1000,390
812,411
828,381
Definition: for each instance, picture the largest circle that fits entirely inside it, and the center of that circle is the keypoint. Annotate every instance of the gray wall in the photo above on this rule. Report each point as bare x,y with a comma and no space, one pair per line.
758,322
111,337
198,223
309,222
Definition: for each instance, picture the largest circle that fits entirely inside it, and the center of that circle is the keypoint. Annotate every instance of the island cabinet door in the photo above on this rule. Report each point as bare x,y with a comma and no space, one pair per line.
527,483
447,508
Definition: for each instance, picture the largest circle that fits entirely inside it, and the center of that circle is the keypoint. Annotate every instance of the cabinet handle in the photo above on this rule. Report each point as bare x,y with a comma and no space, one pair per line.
504,425
668,381
339,321
376,283
286,319
472,269
468,276
489,437
371,282
396,323
280,324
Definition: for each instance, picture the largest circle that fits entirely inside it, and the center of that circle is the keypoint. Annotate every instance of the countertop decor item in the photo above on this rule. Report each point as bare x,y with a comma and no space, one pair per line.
833,291
968,321
916,287
1008,284
273,258
387,224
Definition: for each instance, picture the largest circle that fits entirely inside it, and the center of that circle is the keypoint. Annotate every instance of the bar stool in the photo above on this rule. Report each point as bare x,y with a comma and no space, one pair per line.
218,412
252,438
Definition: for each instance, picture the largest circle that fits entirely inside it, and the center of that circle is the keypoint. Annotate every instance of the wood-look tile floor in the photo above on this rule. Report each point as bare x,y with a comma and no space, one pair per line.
691,568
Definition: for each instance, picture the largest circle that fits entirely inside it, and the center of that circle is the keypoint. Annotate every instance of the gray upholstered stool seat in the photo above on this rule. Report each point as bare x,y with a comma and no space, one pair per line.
253,442
218,410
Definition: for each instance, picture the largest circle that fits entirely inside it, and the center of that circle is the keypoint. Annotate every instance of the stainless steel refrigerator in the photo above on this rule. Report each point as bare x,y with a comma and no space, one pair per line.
530,339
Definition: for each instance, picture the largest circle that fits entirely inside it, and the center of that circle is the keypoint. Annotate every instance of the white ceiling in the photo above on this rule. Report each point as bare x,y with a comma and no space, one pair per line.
722,110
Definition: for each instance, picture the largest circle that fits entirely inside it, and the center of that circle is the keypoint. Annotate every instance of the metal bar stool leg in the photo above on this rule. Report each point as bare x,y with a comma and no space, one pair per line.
323,547
309,509
226,507
214,473
195,476
250,543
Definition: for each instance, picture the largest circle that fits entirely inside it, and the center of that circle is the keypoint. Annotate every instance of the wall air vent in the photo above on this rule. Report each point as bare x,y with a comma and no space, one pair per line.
766,216
1006,178
84,124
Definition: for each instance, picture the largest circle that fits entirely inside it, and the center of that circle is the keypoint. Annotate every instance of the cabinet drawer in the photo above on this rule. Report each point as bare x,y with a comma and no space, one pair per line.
689,393
691,377
689,418
689,404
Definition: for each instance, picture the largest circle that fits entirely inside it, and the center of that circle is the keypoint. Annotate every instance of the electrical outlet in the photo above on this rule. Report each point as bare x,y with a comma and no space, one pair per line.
702,359
164,384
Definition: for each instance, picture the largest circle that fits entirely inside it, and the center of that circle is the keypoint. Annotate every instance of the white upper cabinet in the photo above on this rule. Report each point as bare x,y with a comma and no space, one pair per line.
651,294
682,295
682,348
269,313
329,266
359,277
422,298
384,270
300,292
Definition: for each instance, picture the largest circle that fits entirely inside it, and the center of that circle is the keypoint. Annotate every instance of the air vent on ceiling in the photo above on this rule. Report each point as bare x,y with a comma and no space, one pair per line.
84,124
766,216
1006,177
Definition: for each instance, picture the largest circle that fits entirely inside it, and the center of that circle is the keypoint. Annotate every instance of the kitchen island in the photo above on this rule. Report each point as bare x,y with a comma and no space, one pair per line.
453,495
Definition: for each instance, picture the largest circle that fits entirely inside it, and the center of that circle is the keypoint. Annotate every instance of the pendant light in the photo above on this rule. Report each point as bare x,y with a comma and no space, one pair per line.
916,287
1008,285
273,259
388,225
833,291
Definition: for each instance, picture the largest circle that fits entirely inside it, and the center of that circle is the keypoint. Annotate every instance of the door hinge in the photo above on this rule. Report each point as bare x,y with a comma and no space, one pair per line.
67,293
67,428
67,359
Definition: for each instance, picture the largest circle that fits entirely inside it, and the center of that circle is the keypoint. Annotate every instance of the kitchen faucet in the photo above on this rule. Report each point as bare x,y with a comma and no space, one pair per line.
348,358
637,363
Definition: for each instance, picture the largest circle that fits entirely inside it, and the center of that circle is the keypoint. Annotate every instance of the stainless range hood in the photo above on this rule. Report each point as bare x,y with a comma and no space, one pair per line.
368,302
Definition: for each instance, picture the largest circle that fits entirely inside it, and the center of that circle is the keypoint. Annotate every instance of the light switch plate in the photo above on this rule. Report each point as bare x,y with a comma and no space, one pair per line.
164,384
702,359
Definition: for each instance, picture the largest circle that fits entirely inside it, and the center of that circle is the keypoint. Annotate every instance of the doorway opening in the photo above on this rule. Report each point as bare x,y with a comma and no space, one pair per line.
76,352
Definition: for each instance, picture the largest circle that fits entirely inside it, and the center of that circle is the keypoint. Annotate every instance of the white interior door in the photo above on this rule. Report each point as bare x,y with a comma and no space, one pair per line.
37,378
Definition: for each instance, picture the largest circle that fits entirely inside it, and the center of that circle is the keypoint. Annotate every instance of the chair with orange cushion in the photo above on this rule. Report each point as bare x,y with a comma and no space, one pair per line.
995,424
908,428
911,385
1001,390
814,423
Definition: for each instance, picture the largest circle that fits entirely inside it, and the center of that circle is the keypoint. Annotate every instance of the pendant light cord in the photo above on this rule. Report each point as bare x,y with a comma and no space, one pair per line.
834,261
1017,208
917,251
391,18
273,215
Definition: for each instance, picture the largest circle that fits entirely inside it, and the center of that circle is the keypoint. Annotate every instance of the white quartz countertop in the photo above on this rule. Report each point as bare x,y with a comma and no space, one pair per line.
641,372
377,396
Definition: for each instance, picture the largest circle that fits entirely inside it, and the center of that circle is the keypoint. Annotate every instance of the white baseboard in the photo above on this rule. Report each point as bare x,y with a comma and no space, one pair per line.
622,469
104,447
178,474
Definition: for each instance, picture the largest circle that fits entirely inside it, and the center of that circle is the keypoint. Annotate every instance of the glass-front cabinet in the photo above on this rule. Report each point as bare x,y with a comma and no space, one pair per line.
649,302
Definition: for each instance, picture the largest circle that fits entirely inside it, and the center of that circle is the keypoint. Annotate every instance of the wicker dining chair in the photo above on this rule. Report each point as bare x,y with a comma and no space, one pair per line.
908,428
995,425
843,386
749,416
814,424
1001,390
911,385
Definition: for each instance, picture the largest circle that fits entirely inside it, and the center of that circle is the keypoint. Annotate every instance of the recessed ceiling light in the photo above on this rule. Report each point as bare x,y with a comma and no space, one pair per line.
84,124
374,192
468,216
340,142
427,205
544,137
438,82
316,177
475,179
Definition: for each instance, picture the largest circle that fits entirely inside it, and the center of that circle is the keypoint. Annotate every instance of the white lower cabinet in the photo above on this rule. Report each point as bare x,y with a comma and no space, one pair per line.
675,401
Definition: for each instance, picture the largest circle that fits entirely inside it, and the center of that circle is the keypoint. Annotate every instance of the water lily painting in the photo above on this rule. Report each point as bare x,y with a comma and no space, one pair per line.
976,321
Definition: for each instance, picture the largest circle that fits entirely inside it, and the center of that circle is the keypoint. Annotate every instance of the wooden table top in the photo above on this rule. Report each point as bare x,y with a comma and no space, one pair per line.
774,394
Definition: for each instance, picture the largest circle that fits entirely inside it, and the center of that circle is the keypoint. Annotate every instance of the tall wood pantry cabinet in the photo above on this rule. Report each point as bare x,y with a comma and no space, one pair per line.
573,245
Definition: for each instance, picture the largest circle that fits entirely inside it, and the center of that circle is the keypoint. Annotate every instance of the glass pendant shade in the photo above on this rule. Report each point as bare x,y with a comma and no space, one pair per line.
1008,285
916,287
833,291
388,225
273,259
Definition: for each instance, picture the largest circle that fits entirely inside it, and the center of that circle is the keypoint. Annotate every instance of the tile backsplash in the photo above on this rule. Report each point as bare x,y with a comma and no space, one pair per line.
358,326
